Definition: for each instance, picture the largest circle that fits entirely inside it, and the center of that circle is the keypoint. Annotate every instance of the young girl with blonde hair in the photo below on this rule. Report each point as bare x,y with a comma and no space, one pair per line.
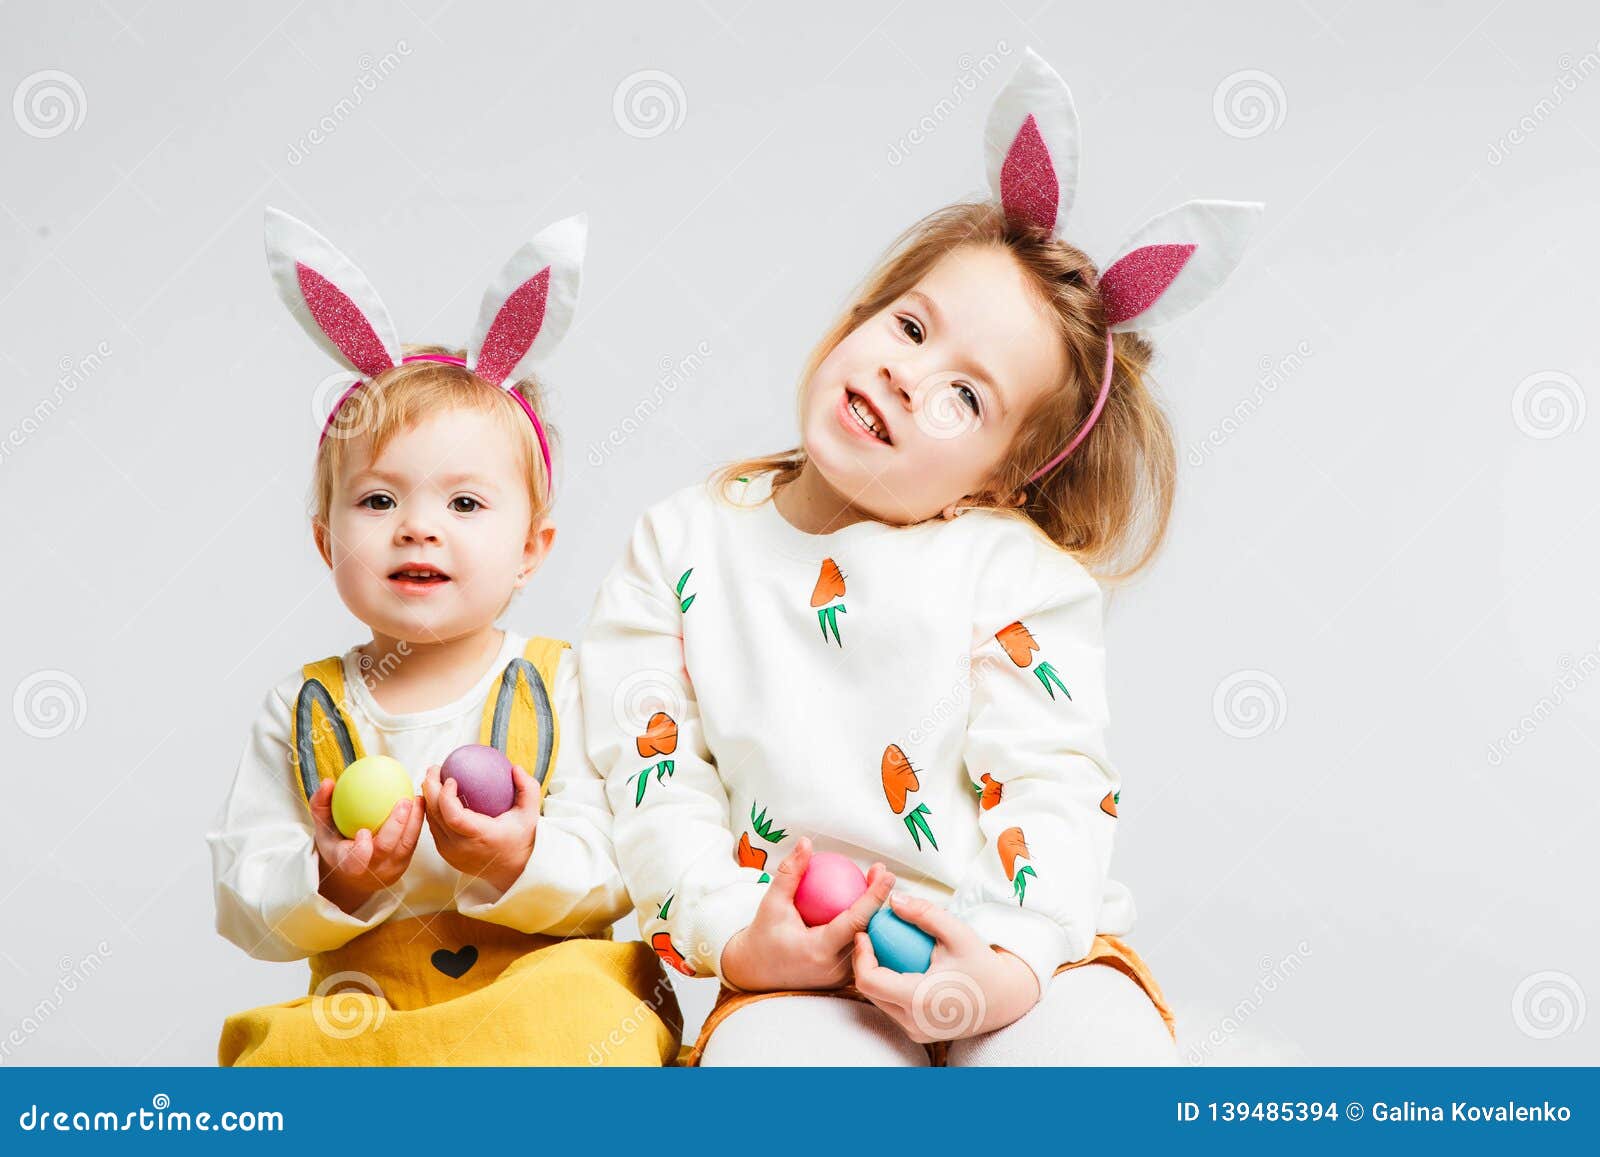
441,934
887,643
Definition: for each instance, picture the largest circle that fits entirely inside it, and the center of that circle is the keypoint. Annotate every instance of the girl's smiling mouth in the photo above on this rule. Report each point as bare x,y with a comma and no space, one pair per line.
417,578
857,414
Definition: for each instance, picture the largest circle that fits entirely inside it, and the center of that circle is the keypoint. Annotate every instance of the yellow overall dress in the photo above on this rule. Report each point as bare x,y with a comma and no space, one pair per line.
444,989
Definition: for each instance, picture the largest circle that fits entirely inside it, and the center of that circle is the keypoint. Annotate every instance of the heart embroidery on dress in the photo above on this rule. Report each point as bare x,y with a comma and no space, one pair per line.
455,965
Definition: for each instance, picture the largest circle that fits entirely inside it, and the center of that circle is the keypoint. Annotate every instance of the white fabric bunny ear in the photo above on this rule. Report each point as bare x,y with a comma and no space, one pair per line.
1175,261
329,296
1030,146
529,305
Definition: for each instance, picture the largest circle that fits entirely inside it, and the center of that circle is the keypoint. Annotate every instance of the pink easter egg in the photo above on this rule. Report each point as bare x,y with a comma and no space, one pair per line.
831,884
483,778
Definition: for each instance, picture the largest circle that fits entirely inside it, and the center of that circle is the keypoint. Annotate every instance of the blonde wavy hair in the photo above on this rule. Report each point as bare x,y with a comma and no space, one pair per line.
404,395
1110,500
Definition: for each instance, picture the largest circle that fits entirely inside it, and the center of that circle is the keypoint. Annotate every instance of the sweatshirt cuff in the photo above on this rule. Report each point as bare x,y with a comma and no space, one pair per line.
317,924
713,921
1042,944
554,882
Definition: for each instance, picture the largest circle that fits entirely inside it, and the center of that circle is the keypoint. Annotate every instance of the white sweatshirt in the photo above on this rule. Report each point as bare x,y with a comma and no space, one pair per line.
264,863
865,707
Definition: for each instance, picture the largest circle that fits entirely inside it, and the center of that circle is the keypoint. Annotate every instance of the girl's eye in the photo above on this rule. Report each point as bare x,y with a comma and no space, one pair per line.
968,396
371,499
474,504
911,328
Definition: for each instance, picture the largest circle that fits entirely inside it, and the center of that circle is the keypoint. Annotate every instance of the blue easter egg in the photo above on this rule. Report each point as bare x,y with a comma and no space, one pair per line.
899,946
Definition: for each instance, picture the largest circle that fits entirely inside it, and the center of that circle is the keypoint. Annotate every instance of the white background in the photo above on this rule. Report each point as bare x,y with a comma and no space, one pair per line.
1394,538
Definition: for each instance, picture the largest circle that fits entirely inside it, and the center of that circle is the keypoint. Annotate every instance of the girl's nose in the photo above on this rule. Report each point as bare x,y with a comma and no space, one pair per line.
897,380
414,530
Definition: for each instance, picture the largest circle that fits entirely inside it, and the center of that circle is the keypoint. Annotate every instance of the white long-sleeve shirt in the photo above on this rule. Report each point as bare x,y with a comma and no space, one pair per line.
929,696
264,862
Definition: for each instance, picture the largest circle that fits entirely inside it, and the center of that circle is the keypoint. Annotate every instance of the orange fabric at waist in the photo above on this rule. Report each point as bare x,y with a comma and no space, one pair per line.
1108,950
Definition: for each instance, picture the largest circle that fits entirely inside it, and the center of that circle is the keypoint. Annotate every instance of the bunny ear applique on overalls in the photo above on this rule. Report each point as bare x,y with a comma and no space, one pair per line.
518,718
324,742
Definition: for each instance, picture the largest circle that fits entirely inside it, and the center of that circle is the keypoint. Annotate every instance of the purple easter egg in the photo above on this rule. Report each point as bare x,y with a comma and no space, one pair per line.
483,778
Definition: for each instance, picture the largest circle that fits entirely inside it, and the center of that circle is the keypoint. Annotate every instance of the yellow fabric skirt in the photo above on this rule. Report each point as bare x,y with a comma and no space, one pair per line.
445,989
1107,950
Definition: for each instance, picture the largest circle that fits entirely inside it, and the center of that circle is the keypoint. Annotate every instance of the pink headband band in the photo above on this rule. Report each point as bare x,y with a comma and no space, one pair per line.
1083,432
449,360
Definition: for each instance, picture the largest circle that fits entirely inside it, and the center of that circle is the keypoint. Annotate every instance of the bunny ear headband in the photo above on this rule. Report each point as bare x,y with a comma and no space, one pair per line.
1170,265
524,314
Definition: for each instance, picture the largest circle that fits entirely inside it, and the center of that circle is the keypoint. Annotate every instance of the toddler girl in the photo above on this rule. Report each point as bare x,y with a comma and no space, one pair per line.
445,936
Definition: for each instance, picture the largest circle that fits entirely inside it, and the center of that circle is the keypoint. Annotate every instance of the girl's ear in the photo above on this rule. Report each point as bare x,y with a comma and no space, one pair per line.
319,535
529,305
1176,261
329,296
536,550
1030,146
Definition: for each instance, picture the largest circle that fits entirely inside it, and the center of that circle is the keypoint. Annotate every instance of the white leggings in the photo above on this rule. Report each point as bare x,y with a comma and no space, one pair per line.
1094,1015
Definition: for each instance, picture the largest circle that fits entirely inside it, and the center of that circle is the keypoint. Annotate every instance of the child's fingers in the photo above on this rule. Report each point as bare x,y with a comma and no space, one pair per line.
430,787
457,816
944,926
786,880
413,830
530,794
356,854
322,803
863,959
393,827
883,986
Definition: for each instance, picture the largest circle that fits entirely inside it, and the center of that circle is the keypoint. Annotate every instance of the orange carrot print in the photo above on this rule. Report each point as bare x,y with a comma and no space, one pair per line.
1018,642
829,586
1012,845
662,943
1109,804
660,736
750,857
1019,645
899,781
989,794
899,777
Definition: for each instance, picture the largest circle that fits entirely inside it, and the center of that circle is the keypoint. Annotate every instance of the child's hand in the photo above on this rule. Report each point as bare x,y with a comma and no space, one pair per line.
353,870
970,987
778,950
492,848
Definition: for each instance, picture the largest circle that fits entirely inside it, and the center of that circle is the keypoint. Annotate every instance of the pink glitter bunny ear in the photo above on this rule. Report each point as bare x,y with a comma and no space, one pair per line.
1175,261
1030,146
329,296
529,305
